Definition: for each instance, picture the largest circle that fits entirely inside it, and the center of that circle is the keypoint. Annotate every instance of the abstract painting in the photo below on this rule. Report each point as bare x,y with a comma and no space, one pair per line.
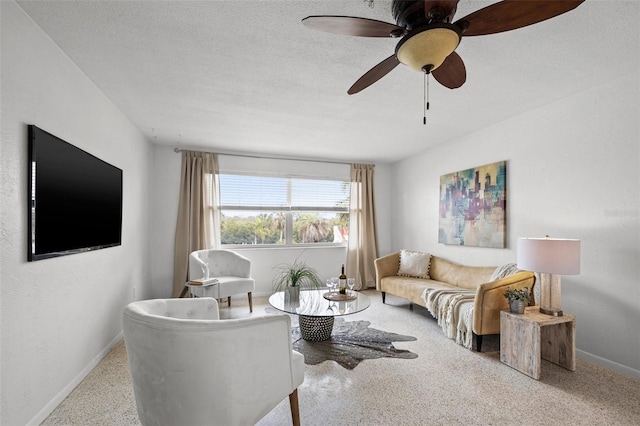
473,206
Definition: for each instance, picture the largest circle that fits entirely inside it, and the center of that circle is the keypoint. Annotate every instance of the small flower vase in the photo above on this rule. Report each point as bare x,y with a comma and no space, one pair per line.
516,306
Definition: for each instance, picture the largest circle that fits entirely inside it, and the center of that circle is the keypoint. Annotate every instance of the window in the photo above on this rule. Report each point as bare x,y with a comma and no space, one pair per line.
268,210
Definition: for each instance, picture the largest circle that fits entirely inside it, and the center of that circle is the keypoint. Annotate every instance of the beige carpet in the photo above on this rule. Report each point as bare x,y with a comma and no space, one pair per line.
445,385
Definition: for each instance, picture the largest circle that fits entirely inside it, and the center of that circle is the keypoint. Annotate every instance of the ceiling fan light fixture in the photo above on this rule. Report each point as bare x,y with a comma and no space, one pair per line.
430,46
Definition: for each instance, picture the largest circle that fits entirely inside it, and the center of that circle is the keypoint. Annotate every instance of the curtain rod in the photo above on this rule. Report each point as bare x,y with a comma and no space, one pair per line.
178,150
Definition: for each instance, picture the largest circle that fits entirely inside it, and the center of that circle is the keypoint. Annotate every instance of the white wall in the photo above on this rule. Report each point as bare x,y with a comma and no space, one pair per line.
60,316
326,260
572,172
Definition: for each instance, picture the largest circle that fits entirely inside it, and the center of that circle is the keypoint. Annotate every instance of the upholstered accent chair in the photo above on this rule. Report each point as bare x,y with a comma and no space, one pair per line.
188,367
232,273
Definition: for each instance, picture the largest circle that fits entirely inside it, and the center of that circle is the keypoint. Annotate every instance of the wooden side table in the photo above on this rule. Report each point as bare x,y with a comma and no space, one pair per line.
526,339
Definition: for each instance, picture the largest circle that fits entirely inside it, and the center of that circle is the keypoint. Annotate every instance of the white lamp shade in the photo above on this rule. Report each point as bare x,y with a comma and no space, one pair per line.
549,255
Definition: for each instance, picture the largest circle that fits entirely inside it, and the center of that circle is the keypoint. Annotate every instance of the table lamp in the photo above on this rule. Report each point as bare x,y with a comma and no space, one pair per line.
551,257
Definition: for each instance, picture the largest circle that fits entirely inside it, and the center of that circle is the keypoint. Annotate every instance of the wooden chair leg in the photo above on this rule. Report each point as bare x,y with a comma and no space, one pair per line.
250,302
295,409
184,291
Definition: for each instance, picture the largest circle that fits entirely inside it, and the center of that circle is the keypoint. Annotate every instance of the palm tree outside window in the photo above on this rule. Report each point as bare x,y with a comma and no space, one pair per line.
283,211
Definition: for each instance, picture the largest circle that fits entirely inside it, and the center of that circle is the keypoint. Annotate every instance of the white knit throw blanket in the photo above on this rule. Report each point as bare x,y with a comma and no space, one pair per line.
454,310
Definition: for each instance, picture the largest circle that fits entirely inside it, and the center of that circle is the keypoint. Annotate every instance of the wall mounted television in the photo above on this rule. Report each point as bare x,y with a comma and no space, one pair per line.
75,199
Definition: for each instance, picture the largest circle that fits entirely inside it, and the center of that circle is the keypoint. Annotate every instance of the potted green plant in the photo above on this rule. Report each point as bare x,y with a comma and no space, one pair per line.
518,299
291,277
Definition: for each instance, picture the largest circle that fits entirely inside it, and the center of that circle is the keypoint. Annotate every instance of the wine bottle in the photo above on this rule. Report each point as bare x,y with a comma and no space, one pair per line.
343,281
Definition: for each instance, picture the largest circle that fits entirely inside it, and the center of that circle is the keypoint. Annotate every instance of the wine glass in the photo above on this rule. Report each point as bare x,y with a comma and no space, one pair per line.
330,285
330,307
351,283
335,281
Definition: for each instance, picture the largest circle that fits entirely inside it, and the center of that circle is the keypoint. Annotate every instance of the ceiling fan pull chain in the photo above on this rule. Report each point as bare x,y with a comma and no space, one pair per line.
425,96
424,99
428,91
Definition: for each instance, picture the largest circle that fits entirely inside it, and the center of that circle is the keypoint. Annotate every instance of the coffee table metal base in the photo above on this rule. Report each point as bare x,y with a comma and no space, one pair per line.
315,329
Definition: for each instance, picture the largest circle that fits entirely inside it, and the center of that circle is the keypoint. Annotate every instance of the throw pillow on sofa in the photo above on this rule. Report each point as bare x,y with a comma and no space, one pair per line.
414,264
504,271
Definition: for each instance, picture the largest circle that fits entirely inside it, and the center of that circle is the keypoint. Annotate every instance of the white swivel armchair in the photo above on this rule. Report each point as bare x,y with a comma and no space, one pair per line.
188,367
231,271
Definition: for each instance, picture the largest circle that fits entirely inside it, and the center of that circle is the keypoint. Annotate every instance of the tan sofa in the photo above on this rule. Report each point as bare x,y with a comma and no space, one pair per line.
489,296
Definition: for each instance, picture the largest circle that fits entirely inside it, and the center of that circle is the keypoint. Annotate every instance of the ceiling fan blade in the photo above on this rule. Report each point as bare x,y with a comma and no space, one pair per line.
374,74
350,25
452,73
509,15
440,9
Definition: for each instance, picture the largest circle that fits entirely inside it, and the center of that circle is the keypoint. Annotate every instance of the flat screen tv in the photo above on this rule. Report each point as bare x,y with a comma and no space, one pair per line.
75,199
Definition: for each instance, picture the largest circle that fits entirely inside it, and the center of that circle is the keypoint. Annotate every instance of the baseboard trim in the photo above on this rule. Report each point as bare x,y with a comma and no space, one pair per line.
48,409
612,365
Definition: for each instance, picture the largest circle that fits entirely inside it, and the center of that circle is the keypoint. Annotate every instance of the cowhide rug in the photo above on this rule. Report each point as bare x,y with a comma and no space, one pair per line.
350,343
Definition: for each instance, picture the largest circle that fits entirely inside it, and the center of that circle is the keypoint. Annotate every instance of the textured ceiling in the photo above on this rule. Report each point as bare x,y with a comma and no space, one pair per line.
247,76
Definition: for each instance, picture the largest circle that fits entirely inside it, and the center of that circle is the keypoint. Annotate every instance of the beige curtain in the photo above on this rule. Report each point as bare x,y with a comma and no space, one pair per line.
198,225
363,239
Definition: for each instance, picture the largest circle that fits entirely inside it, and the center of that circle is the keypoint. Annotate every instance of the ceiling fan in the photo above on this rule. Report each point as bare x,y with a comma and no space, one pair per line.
429,37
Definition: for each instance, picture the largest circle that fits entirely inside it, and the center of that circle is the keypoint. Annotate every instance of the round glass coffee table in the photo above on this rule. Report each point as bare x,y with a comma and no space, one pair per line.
316,313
